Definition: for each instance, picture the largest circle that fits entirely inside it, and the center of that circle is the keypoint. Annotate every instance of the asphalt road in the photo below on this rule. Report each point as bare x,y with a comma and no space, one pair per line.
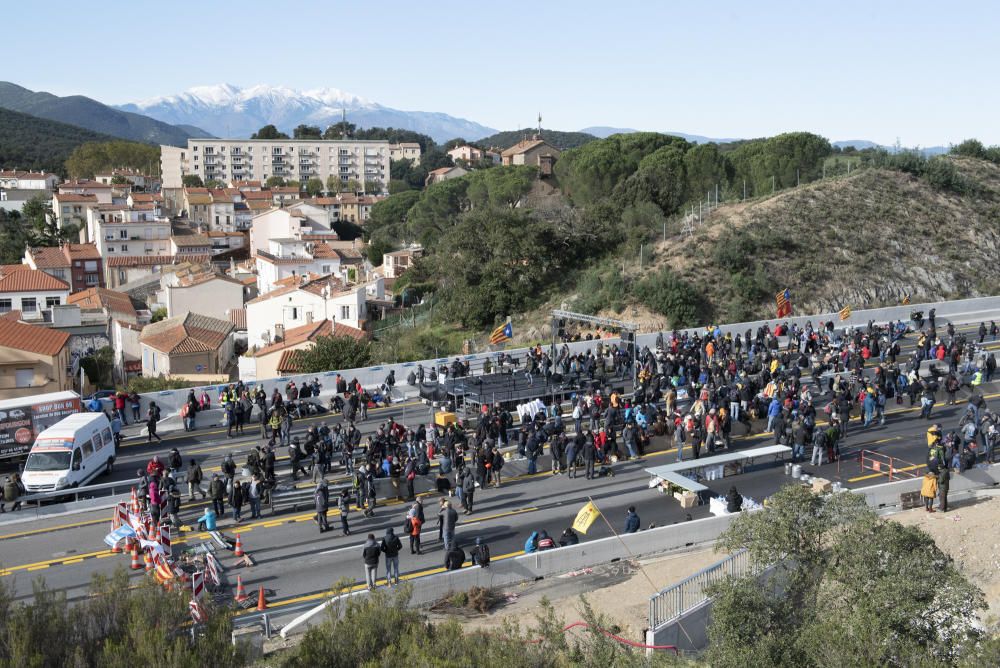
300,565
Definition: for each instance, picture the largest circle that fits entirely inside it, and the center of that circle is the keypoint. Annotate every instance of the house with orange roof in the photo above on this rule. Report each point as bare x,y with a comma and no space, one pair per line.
187,344
535,151
33,359
201,290
77,264
279,358
30,291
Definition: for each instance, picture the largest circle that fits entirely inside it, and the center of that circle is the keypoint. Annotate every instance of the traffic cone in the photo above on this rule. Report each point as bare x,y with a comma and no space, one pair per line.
136,564
261,601
135,502
116,549
241,592
239,546
149,561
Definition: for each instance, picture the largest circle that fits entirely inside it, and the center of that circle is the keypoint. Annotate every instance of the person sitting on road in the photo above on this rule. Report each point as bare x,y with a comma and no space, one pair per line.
481,554
454,559
734,500
569,537
544,541
207,521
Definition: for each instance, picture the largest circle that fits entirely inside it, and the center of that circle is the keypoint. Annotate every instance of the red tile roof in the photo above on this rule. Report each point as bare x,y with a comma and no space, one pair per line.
188,333
30,280
32,338
238,316
73,197
311,332
117,303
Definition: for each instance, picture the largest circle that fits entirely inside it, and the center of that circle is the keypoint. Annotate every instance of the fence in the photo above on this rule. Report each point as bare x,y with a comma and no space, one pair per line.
408,317
689,593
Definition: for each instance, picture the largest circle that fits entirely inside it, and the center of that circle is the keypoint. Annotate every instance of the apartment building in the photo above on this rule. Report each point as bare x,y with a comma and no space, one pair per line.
141,230
77,264
345,160
407,150
20,180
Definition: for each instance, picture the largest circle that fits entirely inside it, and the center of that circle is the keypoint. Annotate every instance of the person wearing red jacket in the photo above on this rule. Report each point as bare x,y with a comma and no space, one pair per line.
155,468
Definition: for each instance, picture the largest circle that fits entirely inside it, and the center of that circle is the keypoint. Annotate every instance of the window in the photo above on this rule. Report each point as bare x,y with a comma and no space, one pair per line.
92,279
24,377
111,249
5,306
345,312
326,269
216,220
29,305
124,248
98,441
123,234
122,276
52,301
89,265
88,448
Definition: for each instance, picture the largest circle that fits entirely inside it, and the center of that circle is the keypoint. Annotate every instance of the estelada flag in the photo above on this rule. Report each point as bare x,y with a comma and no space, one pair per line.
502,333
783,300
587,516
906,300
845,313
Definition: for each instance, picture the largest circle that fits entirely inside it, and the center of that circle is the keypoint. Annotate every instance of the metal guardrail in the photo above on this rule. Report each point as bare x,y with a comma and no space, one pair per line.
90,491
674,601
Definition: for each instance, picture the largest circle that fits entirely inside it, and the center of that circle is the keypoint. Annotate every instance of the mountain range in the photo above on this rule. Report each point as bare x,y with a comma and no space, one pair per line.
90,114
226,110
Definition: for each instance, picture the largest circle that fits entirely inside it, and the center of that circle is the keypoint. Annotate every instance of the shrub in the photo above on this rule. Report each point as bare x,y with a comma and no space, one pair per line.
669,295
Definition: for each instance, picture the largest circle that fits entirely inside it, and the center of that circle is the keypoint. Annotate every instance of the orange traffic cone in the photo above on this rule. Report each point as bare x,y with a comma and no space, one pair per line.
149,561
136,564
116,549
261,601
135,502
241,592
239,546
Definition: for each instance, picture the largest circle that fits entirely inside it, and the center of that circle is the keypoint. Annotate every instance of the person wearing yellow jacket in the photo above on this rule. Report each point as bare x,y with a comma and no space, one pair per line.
928,490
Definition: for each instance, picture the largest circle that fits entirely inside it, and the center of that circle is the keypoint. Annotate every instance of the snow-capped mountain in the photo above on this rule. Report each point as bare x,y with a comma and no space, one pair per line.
229,111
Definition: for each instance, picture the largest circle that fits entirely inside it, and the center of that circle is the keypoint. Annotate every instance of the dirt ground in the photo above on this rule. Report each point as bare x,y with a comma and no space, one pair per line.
619,591
970,533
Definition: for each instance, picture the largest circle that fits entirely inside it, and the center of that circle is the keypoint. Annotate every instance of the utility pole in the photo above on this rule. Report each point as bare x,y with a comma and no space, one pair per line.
716,195
797,183
772,184
664,230
744,190
640,257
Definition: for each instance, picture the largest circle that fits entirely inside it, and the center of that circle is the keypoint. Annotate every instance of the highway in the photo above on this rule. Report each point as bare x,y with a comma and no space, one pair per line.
301,565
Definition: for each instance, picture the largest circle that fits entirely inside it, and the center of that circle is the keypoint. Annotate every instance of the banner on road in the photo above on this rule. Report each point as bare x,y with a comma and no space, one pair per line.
587,516
118,535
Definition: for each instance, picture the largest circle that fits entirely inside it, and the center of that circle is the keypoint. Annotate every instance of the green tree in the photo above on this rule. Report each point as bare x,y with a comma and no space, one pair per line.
333,183
158,314
119,180
339,130
274,182
330,353
307,132
314,187
396,186
373,187
972,148
14,237
435,158
269,132
856,589
44,226
501,187
192,181
669,295
660,178
388,217
90,158
350,186
99,367
214,184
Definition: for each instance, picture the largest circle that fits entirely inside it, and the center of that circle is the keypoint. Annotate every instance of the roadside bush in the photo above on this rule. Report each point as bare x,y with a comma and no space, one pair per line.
672,296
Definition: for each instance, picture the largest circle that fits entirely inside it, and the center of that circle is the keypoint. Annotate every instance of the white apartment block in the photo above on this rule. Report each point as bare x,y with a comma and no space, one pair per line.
292,159
19,180
124,231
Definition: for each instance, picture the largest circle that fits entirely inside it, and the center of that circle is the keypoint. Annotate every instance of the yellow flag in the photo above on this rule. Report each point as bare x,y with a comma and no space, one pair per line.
845,313
906,300
587,516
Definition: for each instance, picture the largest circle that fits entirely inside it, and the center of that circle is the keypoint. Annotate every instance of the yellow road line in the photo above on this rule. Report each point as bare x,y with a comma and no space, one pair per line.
914,467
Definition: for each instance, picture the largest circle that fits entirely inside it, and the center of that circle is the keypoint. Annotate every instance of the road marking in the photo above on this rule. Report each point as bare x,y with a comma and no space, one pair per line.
73,561
359,586
914,467
38,568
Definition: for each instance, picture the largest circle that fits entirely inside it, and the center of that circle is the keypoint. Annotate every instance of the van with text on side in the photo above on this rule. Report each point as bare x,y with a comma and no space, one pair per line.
70,453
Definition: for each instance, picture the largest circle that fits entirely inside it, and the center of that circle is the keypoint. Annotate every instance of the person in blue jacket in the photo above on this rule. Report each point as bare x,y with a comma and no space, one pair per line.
207,521
631,520
531,545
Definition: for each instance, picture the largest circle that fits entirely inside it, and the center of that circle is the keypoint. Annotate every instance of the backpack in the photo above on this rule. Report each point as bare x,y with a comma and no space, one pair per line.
408,526
483,558
396,543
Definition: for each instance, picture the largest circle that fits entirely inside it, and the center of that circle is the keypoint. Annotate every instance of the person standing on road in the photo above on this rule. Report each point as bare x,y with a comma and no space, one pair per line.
943,481
468,489
370,553
152,417
236,499
449,520
344,504
929,490
217,490
194,478
294,457
413,525
391,545
322,497
136,406
589,455
253,496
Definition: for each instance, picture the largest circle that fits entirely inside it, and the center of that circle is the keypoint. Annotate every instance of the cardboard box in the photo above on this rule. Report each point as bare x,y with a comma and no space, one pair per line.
689,500
443,418
822,486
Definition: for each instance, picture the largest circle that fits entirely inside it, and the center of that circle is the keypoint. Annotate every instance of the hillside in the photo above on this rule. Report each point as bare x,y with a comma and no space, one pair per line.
865,240
91,115
28,142
559,139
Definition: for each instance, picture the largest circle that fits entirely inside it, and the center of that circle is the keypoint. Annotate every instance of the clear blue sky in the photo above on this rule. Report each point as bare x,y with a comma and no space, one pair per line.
925,72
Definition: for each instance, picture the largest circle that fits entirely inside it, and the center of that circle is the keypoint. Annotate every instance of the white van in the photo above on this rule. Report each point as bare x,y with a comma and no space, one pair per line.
70,453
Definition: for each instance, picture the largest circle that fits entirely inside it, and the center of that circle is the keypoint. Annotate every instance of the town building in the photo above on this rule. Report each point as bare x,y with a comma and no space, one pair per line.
201,290
77,264
187,344
123,230
397,262
279,359
443,174
407,150
306,299
471,155
114,305
73,208
30,291
33,360
340,160
21,180
105,193
535,151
